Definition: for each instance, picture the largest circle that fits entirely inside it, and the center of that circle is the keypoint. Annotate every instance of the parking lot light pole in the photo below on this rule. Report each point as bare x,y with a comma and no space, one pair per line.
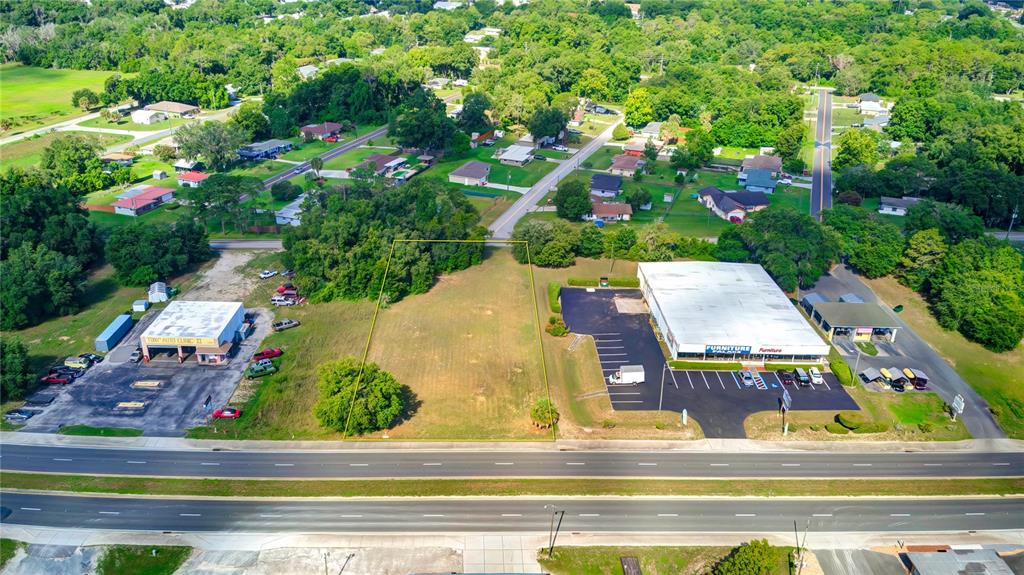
856,364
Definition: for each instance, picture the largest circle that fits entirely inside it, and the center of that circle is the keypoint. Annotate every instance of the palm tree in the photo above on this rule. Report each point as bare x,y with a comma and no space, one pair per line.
317,164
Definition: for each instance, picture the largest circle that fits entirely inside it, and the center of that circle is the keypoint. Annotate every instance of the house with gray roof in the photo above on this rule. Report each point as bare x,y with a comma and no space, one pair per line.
732,206
759,181
472,173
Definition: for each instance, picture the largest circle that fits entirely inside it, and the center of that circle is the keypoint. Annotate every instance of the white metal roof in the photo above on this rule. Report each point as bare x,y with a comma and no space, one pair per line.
517,153
718,303
194,319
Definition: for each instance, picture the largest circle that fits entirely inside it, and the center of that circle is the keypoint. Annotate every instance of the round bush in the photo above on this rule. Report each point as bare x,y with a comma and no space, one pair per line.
836,428
850,419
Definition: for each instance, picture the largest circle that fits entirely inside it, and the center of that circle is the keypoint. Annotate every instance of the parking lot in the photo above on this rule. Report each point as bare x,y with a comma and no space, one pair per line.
168,409
718,400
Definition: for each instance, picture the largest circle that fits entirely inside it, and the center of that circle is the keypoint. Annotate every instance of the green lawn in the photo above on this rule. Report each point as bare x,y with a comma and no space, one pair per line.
126,123
304,150
734,153
262,170
797,198
165,214
593,560
100,431
28,152
501,174
141,560
35,97
553,154
871,204
846,117
602,159
353,157
8,547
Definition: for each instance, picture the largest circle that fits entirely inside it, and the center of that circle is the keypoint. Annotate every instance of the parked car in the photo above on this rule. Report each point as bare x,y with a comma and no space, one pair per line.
136,355
285,324
488,142
747,378
263,363
288,273
227,413
94,358
259,370
267,274
69,372
19,415
785,181
281,300
77,362
897,386
267,353
815,376
801,377
331,139
56,379
785,377
539,157
559,148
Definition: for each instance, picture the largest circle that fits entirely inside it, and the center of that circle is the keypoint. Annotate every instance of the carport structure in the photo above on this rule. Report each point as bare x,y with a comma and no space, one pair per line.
861,321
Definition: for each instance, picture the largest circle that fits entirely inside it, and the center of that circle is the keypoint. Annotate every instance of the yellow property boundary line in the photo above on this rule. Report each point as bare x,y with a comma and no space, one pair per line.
380,300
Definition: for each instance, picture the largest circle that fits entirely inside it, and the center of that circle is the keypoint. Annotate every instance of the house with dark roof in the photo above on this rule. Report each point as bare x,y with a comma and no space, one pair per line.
608,212
319,131
264,150
896,206
773,164
605,185
473,173
759,181
732,206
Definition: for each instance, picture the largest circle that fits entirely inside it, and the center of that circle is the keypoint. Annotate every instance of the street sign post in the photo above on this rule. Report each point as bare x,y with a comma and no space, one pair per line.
785,404
958,406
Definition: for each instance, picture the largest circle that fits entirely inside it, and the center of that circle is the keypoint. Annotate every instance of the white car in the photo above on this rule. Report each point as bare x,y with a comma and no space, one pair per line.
559,148
815,376
267,274
785,181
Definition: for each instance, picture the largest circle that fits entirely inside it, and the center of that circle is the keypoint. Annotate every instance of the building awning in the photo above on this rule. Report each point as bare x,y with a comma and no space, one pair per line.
209,350
842,314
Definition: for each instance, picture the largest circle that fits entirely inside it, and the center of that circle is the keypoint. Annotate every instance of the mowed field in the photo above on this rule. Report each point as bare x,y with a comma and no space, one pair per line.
34,97
29,151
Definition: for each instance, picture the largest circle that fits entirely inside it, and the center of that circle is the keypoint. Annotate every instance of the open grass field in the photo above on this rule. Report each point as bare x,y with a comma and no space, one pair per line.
165,214
354,157
500,173
126,123
262,169
734,153
846,117
602,158
594,560
997,377
29,151
35,97
142,560
490,208
304,150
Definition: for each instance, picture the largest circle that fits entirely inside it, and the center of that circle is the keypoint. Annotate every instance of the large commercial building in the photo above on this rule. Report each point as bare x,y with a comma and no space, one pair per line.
726,311
207,329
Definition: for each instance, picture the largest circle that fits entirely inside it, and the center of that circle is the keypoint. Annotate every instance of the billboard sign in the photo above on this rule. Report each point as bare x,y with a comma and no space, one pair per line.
787,400
728,349
958,404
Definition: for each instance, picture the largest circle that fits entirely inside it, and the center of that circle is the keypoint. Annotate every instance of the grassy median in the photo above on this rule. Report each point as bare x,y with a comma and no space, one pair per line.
510,487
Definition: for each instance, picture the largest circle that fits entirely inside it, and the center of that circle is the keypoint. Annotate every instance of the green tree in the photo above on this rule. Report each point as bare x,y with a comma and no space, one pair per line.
591,242
754,558
473,117
316,163
85,99
955,223
73,161
638,197
36,283
142,253
592,83
639,108
870,245
547,123
249,119
355,400
790,140
620,132
422,123
650,151
285,191
572,200
15,373
925,250
857,147
215,142
544,413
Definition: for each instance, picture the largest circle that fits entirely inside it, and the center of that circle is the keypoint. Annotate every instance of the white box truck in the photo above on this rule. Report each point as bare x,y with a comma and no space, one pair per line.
627,375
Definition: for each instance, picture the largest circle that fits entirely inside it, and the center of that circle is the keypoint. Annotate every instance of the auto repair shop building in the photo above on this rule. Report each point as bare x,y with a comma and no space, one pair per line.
726,311
206,329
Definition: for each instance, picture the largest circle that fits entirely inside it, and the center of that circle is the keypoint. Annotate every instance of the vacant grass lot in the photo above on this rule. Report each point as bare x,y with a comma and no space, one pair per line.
353,157
141,560
997,377
35,97
126,123
501,174
28,152
262,169
656,560
304,150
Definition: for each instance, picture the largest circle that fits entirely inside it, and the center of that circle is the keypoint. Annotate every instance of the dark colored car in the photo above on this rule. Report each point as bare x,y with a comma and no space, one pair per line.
92,357
227,413
18,415
268,353
785,377
898,386
539,157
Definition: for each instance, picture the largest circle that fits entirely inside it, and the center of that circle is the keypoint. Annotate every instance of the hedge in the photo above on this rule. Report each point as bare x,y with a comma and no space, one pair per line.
850,419
840,368
620,282
836,428
708,365
554,289
873,427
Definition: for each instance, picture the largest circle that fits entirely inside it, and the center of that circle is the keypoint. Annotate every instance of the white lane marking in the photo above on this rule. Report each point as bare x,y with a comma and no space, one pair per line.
136,462
899,515
862,465
590,514
284,465
268,515
206,463
511,514
719,464
574,463
822,515
190,514
688,379
933,465
973,513
62,459
429,464
1000,464
705,380
720,382
351,516
606,340
791,465
649,464
601,334
110,512
504,463
668,515
626,401
432,515
746,515
31,509
358,464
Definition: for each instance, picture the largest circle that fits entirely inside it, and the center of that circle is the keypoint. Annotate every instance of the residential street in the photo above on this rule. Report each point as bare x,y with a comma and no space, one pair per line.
821,170
330,154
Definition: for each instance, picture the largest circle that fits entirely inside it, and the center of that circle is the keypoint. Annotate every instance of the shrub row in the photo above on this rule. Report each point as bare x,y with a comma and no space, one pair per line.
554,289
622,282
836,428
840,368
710,366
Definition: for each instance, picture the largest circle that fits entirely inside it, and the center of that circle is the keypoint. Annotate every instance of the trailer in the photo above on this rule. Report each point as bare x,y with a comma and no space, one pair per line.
117,329
627,375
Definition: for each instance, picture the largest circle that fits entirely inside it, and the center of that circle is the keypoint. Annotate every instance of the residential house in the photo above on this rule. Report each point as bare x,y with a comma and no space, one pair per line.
609,212
473,37
877,123
192,179
380,164
477,138
174,109
578,116
141,199
605,185
290,214
773,164
732,206
319,131
472,173
447,5
460,83
634,148
515,155
651,131
306,72
482,52
758,181
436,83
635,10
264,150
185,165
147,117
115,160
627,166
870,104
896,206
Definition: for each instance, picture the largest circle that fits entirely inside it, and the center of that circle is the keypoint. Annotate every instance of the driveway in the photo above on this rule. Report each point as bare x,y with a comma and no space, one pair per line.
716,399
909,350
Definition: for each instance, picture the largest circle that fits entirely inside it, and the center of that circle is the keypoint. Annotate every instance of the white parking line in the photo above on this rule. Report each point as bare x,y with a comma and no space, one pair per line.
668,515
358,464
1000,464
899,515
511,514
648,464
822,515
110,512
826,385
135,462
615,361
719,464
207,463
190,515
688,380
609,369
604,334
284,465
575,463
746,515
350,516
590,514
610,354
503,463
62,459
974,514
607,340
623,393
862,465
428,464
791,465
611,347
702,376
269,515
735,379
718,374
626,401
933,465
433,515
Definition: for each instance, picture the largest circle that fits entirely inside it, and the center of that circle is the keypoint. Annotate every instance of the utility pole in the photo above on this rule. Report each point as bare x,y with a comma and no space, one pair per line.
552,530
1013,218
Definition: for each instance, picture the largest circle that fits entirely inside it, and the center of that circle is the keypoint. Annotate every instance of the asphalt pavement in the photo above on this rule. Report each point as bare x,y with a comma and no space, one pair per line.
821,170
475,515
328,155
463,464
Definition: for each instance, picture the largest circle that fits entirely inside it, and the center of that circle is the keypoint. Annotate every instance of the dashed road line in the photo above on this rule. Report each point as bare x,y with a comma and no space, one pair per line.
190,514
31,509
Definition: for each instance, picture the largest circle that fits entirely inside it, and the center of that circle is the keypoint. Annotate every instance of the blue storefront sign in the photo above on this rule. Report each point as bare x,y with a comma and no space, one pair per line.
728,349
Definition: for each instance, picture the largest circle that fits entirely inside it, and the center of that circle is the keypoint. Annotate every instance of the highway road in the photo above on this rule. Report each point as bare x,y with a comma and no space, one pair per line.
330,154
821,170
502,227
463,464
475,515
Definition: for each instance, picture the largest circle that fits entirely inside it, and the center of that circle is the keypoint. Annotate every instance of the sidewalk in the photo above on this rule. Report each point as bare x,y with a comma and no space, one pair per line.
702,445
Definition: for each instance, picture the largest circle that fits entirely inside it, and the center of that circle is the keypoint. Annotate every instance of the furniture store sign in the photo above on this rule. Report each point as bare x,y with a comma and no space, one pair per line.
728,349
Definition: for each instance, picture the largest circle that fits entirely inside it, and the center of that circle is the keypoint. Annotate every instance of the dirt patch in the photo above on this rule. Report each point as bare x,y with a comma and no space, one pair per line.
225,281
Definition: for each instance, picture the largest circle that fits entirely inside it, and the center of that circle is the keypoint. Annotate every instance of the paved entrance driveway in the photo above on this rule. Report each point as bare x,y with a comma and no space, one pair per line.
716,399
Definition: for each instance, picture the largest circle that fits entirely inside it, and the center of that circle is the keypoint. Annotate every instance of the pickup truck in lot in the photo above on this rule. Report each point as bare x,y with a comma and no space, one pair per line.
285,324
